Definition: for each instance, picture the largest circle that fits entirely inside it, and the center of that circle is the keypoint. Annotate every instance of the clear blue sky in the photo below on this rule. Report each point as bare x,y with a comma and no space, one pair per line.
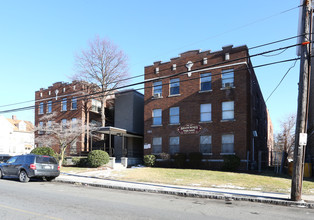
38,40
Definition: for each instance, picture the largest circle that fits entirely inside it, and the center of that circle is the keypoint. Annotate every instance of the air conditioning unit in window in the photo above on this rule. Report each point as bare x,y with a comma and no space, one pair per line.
228,85
157,95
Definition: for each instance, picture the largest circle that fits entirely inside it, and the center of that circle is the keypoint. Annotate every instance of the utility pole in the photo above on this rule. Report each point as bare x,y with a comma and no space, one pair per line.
300,133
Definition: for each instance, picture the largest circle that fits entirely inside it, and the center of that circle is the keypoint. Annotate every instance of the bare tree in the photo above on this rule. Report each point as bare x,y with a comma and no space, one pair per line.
286,137
60,134
104,65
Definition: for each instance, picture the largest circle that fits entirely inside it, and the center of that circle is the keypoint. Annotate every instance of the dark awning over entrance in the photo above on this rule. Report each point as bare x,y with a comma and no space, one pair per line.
116,131
113,131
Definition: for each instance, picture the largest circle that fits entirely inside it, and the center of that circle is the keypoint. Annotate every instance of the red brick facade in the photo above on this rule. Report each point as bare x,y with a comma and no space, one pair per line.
60,94
249,110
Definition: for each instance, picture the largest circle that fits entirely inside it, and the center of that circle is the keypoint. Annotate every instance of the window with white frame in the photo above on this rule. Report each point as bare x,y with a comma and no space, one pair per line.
174,145
157,89
227,78
49,107
74,104
73,122
96,106
174,114
157,114
64,105
228,110
206,82
41,127
157,145
206,112
227,144
63,123
206,144
41,108
175,86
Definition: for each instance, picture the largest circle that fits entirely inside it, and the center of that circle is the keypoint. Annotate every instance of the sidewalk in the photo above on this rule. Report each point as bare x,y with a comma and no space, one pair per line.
100,179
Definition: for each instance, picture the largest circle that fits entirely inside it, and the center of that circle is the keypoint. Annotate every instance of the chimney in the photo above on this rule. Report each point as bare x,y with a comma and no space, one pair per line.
14,117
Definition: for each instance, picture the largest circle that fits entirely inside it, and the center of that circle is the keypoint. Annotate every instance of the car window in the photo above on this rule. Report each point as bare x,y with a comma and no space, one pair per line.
30,159
20,159
45,159
11,160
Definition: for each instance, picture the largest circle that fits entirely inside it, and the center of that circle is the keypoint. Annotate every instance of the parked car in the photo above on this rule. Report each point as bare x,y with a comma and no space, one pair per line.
27,166
4,158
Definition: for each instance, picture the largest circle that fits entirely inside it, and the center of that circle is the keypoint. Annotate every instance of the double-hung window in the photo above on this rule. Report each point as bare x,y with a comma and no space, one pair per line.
227,144
73,123
174,145
41,127
174,114
64,105
206,144
157,115
157,145
63,124
175,86
206,112
227,78
41,108
228,110
49,107
157,89
206,82
74,104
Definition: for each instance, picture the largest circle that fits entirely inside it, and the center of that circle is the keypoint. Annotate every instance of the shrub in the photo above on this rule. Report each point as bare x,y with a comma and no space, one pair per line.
80,161
43,151
195,159
165,156
231,163
149,160
179,160
97,158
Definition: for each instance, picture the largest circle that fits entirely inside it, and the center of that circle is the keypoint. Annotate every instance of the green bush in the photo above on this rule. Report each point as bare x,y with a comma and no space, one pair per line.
195,159
43,151
231,163
179,160
149,160
165,156
80,161
97,158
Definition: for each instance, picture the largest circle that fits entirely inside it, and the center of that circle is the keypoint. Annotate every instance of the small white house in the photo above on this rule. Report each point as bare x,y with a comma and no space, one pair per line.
17,136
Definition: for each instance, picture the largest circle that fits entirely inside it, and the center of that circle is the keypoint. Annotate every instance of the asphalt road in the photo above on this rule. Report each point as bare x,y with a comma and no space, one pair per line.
51,200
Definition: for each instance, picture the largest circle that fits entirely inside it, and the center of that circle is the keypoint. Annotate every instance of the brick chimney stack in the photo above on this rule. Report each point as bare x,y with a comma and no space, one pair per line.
14,117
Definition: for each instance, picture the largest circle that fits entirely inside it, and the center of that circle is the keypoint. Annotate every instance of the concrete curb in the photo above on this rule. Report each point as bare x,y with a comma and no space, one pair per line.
190,193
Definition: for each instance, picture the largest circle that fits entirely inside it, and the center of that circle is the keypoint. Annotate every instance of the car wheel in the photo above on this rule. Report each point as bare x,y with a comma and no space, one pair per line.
49,178
0,174
23,177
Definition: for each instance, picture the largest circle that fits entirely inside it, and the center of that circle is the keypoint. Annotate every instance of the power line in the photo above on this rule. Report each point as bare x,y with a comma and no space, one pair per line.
143,82
281,80
246,57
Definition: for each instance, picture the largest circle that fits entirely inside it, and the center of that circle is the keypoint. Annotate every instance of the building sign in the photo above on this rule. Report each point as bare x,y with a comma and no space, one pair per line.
189,129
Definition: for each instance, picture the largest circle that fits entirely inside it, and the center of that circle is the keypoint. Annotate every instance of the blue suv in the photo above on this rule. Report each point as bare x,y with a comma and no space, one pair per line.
27,166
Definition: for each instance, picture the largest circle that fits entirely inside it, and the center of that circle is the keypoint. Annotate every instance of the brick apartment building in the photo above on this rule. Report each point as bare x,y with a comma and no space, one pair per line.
208,102
62,98
68,102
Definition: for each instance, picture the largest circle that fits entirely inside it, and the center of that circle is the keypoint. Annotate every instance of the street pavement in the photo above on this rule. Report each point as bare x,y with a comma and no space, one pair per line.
101,178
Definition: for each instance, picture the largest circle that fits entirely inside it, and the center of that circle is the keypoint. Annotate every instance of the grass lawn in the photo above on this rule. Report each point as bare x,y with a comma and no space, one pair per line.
206,178
268,182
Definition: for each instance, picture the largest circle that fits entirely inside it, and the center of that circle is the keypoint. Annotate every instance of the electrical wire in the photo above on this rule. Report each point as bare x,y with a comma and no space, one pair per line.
125,79
94,95
281,80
